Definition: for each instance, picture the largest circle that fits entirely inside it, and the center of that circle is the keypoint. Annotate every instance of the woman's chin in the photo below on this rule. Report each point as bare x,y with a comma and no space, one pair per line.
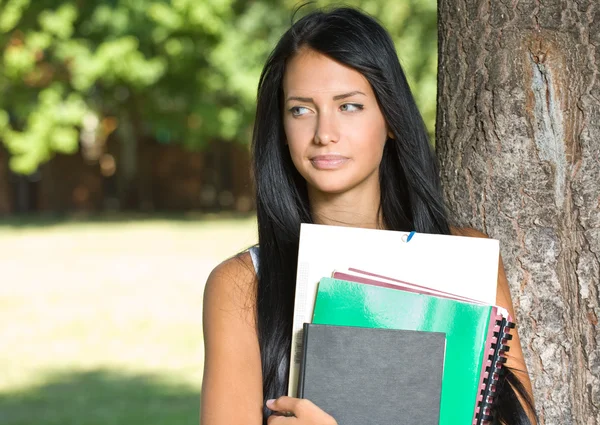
330,189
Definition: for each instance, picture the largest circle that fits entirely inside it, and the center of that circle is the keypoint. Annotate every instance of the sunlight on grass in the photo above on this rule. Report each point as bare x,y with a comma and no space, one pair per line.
124,296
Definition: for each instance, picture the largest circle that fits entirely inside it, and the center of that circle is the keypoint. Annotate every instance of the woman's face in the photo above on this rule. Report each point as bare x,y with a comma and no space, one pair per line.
335,130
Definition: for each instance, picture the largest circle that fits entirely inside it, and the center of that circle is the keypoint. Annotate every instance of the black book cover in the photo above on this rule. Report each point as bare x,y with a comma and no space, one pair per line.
364,376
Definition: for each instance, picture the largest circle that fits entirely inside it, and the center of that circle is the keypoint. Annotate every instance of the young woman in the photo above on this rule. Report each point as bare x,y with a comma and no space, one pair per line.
337,140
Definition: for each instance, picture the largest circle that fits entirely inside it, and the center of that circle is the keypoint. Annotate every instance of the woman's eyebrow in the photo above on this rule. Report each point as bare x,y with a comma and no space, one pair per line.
301,99
345,95
336,97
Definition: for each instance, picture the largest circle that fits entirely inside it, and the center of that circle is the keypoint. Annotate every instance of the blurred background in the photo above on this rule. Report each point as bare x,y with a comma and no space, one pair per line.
124,179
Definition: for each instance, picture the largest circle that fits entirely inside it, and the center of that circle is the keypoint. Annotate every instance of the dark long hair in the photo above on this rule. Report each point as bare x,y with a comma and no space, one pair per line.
411,197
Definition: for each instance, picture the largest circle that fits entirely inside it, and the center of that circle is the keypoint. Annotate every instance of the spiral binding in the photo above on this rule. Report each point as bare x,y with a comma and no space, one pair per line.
493,370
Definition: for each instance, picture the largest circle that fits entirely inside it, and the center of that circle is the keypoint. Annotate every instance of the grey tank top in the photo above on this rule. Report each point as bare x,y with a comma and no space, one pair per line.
254,255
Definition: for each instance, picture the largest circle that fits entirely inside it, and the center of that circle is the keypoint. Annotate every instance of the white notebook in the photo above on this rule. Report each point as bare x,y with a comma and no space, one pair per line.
464,266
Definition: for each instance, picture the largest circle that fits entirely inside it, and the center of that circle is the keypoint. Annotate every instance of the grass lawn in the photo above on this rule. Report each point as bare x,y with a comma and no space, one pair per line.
101,321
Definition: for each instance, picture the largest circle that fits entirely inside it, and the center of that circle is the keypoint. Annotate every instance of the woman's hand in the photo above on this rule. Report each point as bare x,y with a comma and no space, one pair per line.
297,411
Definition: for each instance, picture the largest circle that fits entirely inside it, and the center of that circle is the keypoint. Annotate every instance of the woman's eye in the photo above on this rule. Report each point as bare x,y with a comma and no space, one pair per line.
298,110
351,107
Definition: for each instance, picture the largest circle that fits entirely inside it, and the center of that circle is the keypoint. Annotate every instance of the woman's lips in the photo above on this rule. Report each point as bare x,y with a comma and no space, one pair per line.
328,162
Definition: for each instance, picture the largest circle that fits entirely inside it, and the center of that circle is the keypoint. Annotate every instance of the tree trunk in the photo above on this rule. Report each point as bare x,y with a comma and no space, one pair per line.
6,206
127,165
518,139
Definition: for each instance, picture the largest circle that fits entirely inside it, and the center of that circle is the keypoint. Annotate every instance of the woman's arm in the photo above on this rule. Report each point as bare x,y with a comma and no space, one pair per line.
232,382
515,359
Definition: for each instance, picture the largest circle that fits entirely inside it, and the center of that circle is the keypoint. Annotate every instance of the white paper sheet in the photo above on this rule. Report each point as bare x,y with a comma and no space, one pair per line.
465,266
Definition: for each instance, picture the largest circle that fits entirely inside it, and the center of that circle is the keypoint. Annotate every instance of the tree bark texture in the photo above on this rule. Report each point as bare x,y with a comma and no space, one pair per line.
518,139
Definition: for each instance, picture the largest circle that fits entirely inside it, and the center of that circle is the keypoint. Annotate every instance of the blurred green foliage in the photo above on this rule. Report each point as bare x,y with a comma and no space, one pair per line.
181,71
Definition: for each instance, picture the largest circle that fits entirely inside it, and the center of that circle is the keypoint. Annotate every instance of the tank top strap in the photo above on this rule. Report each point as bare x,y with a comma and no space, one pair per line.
254,255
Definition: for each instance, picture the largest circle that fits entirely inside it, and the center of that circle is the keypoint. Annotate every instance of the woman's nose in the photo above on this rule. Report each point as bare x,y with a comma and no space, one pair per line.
327,130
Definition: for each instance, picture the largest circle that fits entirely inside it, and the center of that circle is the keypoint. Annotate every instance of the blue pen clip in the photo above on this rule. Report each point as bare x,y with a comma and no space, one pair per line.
410,235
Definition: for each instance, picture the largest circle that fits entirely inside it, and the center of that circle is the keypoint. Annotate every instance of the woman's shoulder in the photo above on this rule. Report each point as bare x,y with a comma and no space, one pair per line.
240,266
232,284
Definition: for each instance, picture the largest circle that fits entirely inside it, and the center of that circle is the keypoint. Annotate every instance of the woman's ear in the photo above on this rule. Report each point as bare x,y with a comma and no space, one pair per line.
390,134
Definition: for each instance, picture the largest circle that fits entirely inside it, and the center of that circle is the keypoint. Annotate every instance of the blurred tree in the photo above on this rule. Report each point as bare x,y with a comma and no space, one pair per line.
72,71
75,72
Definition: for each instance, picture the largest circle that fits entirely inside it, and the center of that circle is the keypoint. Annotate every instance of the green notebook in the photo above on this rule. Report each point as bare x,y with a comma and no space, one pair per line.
466,325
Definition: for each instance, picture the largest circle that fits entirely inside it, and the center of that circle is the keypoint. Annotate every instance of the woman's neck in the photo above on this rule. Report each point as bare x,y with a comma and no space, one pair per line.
358,208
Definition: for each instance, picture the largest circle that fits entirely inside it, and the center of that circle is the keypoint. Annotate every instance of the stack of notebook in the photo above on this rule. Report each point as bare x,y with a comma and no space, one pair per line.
369,347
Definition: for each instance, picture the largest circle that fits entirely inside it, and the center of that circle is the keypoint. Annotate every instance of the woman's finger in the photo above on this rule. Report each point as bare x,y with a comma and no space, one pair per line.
291,405
280,420
300,408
